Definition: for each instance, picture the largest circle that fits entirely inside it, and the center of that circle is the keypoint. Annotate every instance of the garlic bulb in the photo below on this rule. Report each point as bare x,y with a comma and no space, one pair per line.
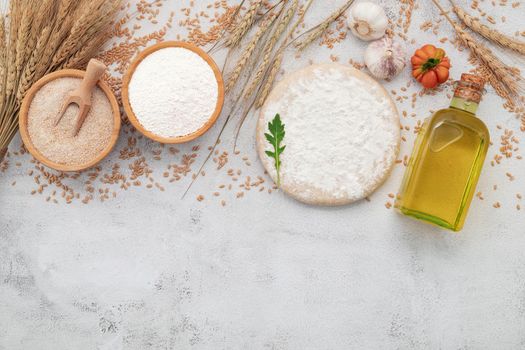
368,21
385,58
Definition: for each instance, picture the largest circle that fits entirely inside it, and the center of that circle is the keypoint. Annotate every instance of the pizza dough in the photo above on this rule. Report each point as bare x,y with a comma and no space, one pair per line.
342,134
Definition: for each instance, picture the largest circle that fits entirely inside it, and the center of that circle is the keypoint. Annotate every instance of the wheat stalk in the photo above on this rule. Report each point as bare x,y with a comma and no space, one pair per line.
248,51
504,73
267,80
3,59
29,72
39,36
3,151
81,28
60,26
316,32
246,23
277,61
82,56
24,34
509,77
493,35
270,80
268,50
227,29
45,9
15,15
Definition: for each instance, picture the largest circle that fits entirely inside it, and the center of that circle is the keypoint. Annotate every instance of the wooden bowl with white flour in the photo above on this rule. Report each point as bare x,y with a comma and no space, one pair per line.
342,134
173,92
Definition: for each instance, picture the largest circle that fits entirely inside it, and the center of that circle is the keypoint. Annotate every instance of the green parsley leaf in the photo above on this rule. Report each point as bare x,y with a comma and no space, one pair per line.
275,137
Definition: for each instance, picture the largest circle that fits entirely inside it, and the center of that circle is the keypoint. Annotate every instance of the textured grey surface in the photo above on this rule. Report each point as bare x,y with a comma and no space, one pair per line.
150,271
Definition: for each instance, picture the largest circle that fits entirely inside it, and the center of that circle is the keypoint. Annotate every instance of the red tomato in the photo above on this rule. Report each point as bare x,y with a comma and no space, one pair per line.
430,66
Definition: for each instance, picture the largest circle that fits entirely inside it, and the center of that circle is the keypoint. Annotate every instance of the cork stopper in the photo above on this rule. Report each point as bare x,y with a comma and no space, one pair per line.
470,87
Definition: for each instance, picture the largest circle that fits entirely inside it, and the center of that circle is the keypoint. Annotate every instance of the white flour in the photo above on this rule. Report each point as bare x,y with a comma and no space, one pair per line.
342,134
173,92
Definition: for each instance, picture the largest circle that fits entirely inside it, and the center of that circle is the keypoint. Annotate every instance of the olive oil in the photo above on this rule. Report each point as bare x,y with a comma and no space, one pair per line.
446,162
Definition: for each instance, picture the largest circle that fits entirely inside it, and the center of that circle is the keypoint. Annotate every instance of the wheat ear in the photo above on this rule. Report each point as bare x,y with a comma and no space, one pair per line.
509,76
264,90
24,35
316,32
503,72
28,75
493,35
276,66
3,151
3,59
248,51
15,18
278,59
246,23
281,27
87,26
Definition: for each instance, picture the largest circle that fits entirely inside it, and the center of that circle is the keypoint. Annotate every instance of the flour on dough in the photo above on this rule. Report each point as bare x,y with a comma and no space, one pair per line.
342,134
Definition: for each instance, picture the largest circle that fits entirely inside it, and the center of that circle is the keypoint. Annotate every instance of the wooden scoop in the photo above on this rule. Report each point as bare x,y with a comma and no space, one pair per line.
82,95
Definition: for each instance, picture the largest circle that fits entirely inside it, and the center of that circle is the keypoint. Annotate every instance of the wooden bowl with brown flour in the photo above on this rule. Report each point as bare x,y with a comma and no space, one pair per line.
55,144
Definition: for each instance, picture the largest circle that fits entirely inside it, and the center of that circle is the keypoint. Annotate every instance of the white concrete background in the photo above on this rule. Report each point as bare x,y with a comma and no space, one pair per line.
150,271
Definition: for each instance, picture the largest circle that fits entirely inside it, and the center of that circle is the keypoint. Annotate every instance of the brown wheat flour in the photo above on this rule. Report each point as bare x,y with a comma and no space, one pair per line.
58,143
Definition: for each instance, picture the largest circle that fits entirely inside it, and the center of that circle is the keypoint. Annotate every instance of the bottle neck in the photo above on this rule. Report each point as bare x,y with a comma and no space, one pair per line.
464,105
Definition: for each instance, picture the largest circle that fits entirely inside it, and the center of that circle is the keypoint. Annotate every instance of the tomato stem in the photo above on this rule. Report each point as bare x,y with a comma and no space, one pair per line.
431,63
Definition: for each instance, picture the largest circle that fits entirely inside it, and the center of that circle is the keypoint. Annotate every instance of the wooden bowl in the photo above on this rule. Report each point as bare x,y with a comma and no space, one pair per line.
23,120
133,118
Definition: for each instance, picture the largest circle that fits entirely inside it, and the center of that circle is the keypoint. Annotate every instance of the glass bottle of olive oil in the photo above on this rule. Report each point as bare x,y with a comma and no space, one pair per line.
446,162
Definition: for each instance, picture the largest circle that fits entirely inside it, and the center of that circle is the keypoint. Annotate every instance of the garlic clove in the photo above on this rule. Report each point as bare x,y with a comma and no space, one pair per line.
368,21
385,58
